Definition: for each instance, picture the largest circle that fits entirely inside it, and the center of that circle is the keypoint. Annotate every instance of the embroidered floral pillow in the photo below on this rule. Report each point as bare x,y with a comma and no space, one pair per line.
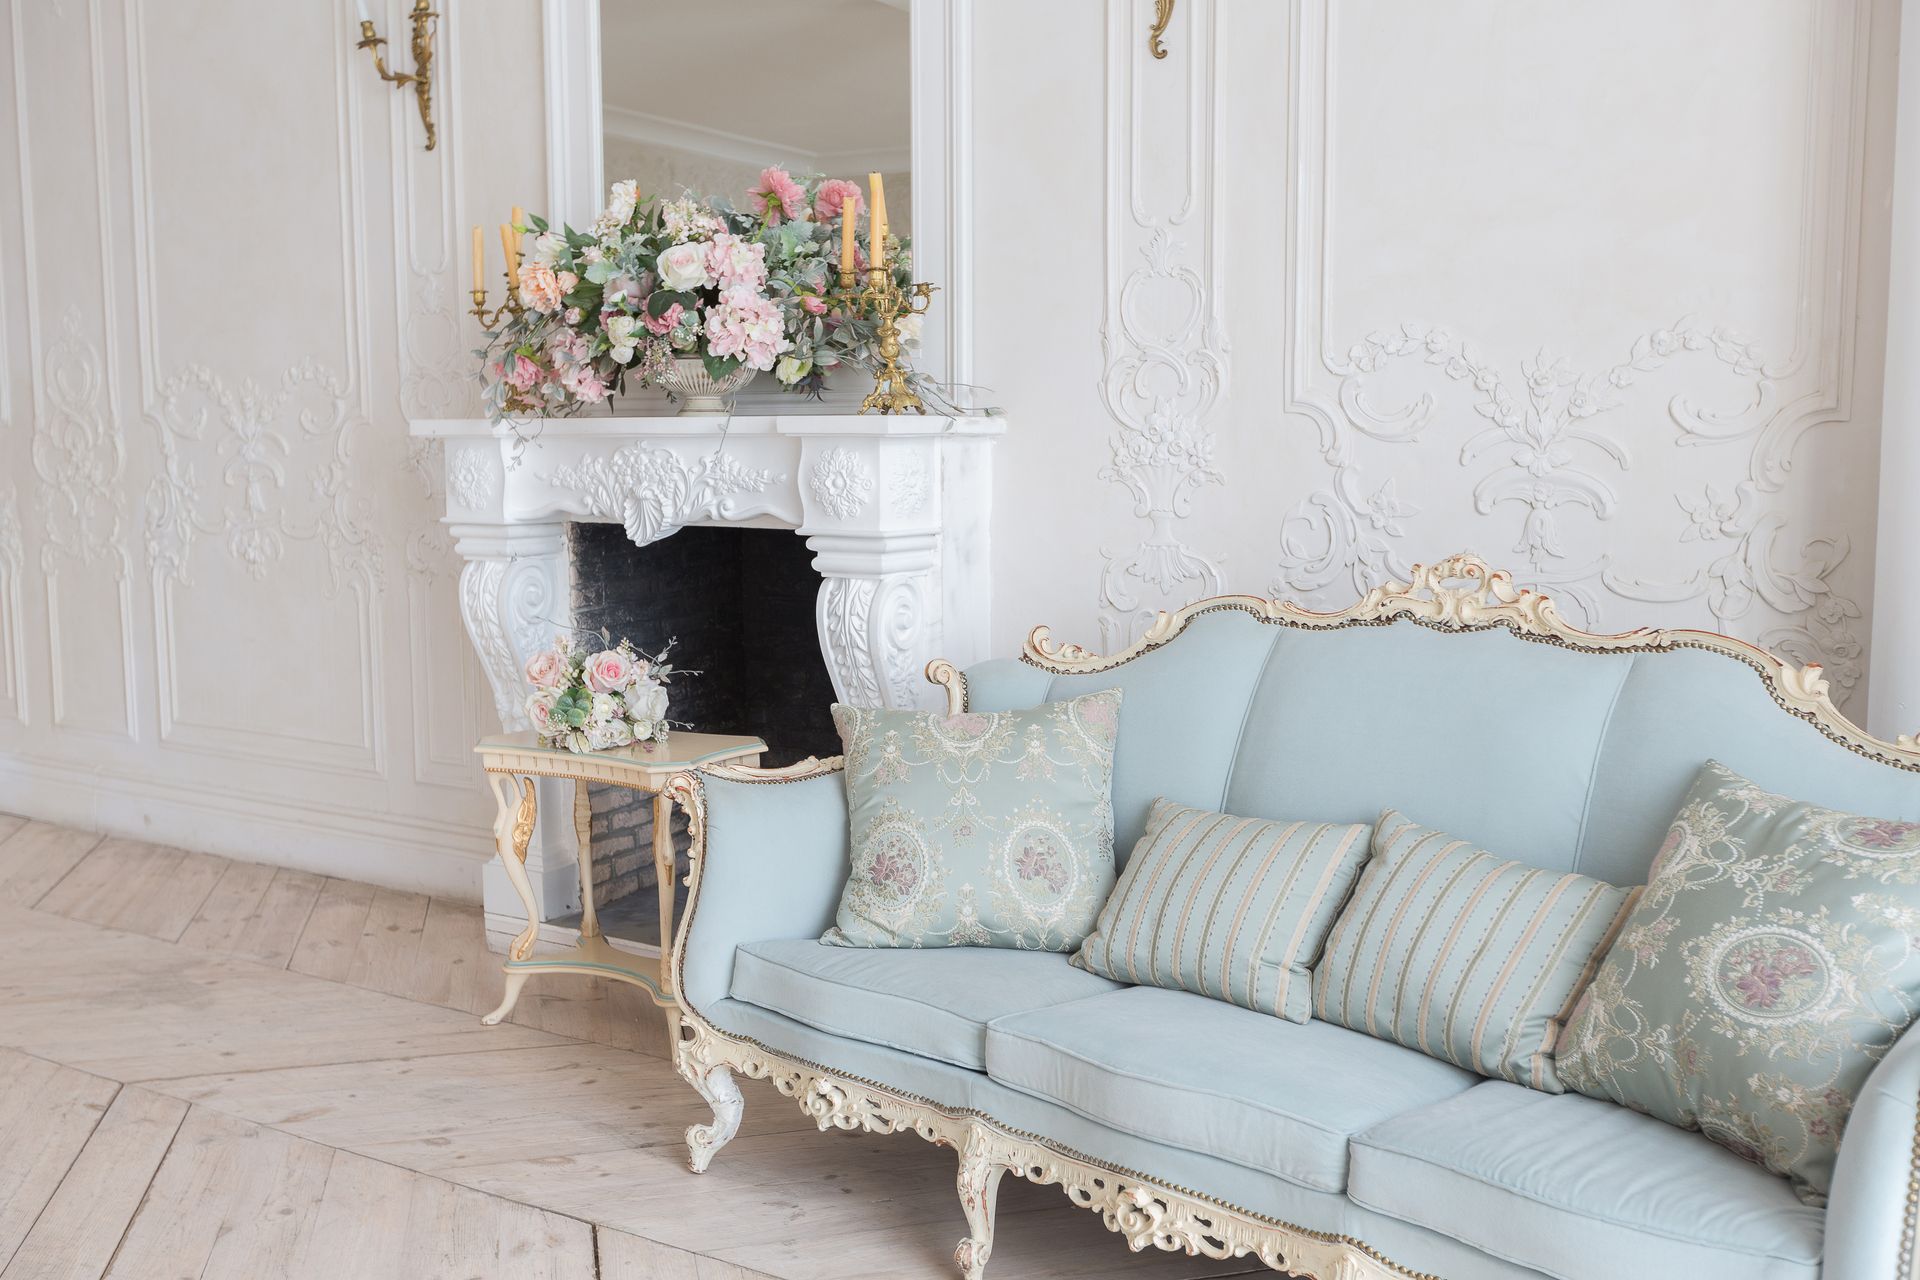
978,830
1772,961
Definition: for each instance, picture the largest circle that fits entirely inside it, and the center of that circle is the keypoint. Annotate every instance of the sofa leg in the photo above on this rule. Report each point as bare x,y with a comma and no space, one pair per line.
723,1095
979,1183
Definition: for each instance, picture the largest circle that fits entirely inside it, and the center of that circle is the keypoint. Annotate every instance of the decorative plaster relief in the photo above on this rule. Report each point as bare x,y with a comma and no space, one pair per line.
1162,336
251,507
908,486
842,482
473,475
655,492
79,455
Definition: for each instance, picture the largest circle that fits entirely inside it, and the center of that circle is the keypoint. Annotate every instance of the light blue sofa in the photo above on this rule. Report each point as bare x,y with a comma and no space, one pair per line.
1193,1124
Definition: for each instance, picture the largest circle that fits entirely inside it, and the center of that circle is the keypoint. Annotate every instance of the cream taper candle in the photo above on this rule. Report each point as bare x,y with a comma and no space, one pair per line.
479,264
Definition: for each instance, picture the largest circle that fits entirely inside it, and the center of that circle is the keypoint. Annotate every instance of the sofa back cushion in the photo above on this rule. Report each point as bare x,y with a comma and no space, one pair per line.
1232,908
1464,955
1565,759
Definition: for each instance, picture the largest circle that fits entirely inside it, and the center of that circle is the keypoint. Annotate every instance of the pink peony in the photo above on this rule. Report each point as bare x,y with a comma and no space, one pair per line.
662,325
747,325
779,194
524,374
546,670
837,197
734,263
540,288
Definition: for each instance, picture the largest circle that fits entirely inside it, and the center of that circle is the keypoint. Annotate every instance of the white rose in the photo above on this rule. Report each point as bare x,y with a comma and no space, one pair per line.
606,708
791,369
620,336
643,730
604,737
684,267
908,327
647,701
547,248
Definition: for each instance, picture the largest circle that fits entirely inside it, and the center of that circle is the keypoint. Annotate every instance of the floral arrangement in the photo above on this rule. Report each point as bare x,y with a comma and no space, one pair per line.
597,700
651,281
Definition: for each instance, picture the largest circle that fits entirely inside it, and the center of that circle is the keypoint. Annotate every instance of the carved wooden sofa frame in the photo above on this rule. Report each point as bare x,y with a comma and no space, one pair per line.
1460,593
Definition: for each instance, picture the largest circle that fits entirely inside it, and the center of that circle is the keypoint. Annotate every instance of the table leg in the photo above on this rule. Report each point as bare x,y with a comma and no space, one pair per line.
512,834
663,869
583,836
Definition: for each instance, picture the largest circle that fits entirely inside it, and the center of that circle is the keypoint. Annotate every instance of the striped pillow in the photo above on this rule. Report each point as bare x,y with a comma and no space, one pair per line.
1450,950
1233,908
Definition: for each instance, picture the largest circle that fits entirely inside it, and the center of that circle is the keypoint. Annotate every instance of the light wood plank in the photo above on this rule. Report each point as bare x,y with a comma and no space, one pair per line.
133,1009
10,823
231,1201
631,1257
38,856
273,930
75,1237
139,887
234,901
47,1113
528,1108
378,1222
389,942
332,932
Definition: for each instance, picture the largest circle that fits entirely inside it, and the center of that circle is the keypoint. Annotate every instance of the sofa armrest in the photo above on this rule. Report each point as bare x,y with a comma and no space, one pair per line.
770,860
1867,1224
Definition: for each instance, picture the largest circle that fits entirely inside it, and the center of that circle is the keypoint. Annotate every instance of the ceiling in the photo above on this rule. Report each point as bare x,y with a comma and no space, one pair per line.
753,80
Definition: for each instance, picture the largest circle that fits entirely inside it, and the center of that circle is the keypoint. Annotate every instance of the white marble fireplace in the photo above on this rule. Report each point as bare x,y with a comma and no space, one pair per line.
895,509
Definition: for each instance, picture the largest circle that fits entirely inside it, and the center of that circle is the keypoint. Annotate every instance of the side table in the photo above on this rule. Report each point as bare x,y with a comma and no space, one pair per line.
512,761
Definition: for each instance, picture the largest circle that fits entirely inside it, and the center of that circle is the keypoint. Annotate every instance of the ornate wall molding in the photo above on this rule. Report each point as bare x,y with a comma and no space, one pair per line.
1163,337
1555,452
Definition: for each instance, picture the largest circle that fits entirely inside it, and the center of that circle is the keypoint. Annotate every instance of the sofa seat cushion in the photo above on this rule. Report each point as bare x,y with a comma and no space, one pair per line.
1584,1190
1173,1067
936,1002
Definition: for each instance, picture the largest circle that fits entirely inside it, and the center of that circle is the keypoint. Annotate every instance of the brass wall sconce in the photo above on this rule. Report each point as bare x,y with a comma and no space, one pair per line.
1162,15
425,21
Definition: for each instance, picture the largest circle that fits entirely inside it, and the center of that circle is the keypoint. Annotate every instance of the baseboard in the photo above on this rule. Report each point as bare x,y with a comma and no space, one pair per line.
393,851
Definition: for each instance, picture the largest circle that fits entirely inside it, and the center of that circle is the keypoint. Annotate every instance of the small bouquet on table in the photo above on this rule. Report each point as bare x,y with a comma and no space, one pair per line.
598,700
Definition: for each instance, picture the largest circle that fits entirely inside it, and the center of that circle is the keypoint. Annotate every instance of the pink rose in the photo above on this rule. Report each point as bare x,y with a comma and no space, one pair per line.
662,325
609,671
540,288
815,305
547,670
539,707
837,198
779,194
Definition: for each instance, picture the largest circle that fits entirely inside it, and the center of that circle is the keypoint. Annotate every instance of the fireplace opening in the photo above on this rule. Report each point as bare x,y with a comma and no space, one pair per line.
739,605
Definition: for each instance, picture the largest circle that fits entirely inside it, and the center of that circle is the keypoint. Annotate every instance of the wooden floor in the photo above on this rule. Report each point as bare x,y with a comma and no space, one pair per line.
214,1069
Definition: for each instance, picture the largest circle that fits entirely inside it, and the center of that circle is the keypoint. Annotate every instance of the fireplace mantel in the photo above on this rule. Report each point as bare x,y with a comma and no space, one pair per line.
896,510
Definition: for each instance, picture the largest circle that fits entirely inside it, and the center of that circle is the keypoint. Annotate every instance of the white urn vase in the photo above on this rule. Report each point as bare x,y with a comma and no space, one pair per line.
697,390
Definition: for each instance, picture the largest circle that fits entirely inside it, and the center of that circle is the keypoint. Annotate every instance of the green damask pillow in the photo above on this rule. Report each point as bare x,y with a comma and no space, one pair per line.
978,830
1772,961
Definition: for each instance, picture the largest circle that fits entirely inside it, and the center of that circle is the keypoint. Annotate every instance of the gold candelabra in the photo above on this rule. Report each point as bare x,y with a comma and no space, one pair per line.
421,78
509,309
892,387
